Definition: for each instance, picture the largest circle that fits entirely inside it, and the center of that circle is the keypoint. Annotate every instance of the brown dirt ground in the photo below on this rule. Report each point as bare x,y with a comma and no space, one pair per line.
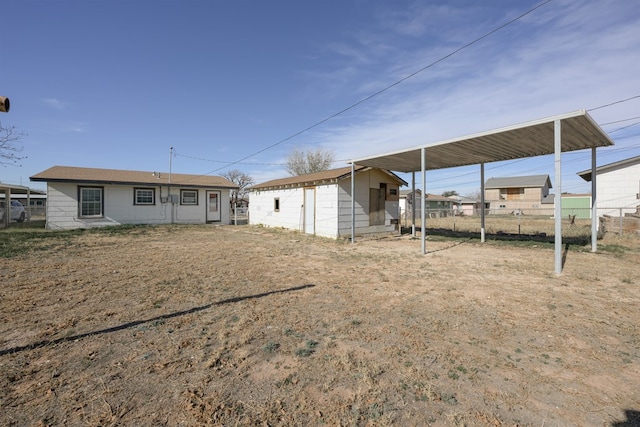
205,325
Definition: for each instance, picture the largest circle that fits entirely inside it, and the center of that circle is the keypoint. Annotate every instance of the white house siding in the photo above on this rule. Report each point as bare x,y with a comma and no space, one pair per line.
290,215
362,214
365,181
327,210
62,207
618,189
332,207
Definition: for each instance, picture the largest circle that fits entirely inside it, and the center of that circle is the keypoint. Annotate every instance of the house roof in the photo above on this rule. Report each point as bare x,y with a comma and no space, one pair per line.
586,175
14,188
578,131
429,196
532,181
129,177
318,178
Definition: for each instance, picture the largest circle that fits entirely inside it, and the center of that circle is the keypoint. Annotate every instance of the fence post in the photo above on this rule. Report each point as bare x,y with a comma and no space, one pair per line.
620,221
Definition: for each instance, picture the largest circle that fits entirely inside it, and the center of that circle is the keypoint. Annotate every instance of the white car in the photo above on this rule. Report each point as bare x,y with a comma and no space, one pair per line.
17,211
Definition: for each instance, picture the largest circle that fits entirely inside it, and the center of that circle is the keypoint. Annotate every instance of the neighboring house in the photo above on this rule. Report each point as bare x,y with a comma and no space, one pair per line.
320,203
437,206
617,186
468,207
576,206
524,194
87,197
573,205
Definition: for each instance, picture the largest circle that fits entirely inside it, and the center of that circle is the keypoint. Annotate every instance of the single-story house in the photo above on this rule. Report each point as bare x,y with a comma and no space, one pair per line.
88,197
437,206
468,206
517,194
617,187
320,203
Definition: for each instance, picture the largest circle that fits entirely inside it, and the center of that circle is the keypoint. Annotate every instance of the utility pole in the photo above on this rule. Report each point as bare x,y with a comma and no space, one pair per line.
170,160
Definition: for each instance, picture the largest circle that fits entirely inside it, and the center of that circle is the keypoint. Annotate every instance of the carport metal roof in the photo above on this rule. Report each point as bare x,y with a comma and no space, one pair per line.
536,138
552,135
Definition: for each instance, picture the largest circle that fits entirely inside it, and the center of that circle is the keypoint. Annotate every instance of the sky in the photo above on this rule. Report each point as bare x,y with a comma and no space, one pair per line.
239,84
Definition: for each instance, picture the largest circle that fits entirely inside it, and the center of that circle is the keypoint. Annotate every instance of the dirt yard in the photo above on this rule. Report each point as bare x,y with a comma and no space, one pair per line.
236,326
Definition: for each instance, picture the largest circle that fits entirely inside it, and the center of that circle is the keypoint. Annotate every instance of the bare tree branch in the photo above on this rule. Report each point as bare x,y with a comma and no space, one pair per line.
303,162
9,145
242,180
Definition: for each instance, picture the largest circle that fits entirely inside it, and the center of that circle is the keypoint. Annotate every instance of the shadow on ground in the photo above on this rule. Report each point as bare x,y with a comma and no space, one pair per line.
633,419
501,236
153,319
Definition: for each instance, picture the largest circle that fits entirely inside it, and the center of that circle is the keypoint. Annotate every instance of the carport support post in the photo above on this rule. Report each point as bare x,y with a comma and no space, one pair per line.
594,210
353,203
557,139
423,200
413,204
482,202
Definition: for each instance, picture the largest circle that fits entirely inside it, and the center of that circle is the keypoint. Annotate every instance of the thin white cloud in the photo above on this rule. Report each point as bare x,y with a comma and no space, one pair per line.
54,103
569,56
562,66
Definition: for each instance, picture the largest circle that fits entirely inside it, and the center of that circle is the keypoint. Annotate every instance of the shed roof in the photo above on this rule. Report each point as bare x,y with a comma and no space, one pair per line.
14,188
586,175
129,177
428,196
318,178
531,181
536,138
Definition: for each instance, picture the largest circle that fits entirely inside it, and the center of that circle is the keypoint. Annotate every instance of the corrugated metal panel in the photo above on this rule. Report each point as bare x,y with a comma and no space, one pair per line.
529,139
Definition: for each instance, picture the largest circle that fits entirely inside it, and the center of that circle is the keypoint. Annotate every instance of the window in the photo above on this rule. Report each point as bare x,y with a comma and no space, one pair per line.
144,196
188,197
90,204
276,204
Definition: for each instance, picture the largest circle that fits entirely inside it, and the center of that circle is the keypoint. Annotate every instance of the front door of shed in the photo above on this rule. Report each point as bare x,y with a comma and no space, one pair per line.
213,206
310,210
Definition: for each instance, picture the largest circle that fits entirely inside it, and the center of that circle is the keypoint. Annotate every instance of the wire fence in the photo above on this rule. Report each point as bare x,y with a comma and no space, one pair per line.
576,222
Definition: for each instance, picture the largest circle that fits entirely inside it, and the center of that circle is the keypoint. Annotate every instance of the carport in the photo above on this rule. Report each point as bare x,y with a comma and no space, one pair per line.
553,135
7,189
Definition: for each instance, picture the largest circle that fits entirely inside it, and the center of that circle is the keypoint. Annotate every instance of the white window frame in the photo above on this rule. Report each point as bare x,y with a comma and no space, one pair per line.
137,195
184,194
82,203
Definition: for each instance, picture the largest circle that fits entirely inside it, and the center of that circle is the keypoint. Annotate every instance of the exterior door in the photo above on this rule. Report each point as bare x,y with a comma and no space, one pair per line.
310,210
377,197
213,206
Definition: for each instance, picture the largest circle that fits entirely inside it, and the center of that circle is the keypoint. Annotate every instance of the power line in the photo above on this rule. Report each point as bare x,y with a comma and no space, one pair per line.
620,121
614,103
367,98
225,161
625,127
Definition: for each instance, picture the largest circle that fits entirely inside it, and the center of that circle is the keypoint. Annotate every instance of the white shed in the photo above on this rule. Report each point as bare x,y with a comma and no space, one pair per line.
320,203
617,186
88,197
